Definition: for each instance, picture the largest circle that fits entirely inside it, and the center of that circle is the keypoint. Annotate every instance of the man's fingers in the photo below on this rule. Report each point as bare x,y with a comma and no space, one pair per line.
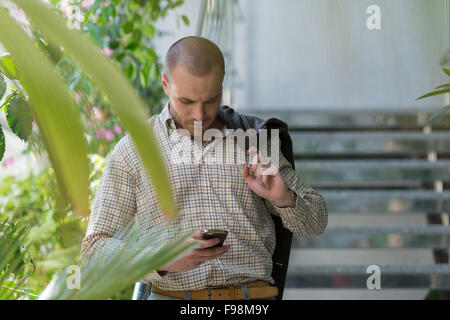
253,159
198,235
212,253
265,179
204,243
208,243
259,168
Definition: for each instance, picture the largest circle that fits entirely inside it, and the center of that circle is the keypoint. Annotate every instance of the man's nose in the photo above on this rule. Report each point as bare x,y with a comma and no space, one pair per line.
199,114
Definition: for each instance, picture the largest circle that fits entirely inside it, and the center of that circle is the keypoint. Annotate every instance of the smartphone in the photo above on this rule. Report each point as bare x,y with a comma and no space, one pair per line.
215,233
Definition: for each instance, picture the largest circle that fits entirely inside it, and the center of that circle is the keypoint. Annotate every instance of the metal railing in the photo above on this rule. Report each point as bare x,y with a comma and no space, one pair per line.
216,22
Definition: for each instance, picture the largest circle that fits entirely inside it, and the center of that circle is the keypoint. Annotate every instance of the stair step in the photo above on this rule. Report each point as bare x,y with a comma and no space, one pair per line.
389,172
360,256
436,276
354,294
359,143
432,236
386,201
358,118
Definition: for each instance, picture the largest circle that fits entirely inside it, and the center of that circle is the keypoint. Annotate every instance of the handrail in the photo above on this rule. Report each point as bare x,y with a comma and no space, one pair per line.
216,22
201,18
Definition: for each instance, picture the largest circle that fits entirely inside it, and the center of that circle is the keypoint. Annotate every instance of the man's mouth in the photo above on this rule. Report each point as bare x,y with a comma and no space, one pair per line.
204,124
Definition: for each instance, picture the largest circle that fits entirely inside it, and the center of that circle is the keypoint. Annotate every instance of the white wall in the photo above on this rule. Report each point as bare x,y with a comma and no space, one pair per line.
173,27
312,53
298,54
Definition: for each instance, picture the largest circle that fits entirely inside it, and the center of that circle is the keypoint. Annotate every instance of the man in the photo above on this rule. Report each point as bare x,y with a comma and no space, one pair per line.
219,196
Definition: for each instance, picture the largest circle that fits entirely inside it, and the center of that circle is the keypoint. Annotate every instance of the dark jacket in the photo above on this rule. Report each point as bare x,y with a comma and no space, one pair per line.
235,120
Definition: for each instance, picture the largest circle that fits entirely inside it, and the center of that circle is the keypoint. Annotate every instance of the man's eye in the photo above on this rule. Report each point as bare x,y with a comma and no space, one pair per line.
186,102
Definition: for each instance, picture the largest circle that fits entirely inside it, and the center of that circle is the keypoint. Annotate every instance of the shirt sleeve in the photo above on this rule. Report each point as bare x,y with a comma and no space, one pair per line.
309,217
113,211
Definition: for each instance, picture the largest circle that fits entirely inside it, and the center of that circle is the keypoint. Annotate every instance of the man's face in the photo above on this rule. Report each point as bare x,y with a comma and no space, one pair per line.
194,98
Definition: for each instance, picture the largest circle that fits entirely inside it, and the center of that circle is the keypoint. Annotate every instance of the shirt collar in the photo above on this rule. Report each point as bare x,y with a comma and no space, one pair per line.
166,117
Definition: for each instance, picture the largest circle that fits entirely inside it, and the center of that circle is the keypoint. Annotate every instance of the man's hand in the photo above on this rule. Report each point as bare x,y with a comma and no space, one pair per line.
198,256
271,187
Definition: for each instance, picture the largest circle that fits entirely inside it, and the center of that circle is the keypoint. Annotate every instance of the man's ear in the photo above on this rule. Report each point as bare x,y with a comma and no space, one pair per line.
165,83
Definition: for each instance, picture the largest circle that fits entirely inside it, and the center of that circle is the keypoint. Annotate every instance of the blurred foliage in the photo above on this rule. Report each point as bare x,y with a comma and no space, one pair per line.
54,232
439,90
124,29
32,256
102,275
16,264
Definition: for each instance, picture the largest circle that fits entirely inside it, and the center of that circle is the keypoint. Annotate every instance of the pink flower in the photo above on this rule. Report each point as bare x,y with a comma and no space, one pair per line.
8,162
66,8
106,3
107,52
117,129
104,133
108,134
19,12
99,133
87,4
126,37
97,113
78,97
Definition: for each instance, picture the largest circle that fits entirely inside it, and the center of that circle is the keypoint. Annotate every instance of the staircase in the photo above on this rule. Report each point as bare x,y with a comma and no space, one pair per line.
385,176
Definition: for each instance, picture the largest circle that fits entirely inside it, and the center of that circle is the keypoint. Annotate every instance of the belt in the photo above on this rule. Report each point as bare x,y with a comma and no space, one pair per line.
256,290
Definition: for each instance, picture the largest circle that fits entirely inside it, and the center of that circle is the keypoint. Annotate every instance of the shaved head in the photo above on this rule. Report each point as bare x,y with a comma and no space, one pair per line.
197,55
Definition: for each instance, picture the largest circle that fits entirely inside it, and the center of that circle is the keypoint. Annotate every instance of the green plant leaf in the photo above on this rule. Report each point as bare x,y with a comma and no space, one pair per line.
444,109
144,77
19,117
11,257
9,97
149,30
7,67
13,260
121,95
113,44
435,93
129,71
120,56
447,71
55,113
2,143
185,19
2,86
128,26
102,276
447,85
